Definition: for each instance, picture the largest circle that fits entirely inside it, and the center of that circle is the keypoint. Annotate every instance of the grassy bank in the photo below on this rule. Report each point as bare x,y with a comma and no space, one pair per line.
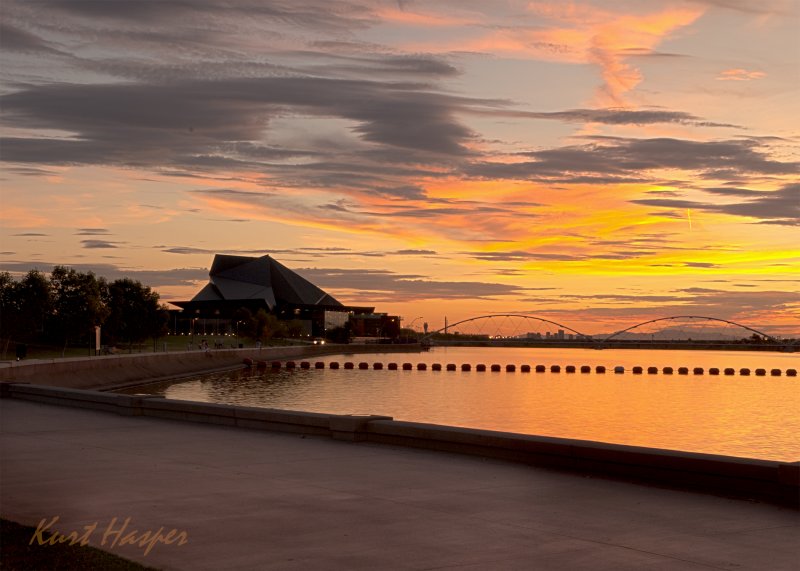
169,344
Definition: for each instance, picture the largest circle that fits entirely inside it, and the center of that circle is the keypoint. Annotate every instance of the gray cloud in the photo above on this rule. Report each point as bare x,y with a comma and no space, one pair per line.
618,158
522,256
623,117
152,278
98,244
92,231
386,286
323,15
19,40
700,265
306,252
780,206
155,124
187,250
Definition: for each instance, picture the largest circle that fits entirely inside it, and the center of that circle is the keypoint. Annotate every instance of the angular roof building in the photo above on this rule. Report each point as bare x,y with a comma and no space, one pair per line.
237,282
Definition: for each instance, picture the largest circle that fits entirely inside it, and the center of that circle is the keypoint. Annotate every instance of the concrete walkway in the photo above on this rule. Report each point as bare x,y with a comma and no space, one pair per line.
259,500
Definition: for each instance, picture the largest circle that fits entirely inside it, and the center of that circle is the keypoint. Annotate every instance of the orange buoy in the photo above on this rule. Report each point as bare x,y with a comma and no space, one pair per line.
713,371
619,369
729,371
290,364
511,368
480,367
683,370
377,366
276,364
525,369
451,366
319,365
761,372
570,368
392,366
407,366
586,369
637,370
652,370
422,367
466,367
495,368
698,371
349,365
775,372
791,372
436,367
555,368
600,369
667,370
540,368
363,365
334,365
305,365
745,372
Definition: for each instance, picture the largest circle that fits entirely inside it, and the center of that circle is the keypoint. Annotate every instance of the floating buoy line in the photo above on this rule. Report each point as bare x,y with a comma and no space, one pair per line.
512,368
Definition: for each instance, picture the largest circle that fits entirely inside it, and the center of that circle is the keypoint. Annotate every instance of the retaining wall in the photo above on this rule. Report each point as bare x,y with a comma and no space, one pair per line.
111,371
776,482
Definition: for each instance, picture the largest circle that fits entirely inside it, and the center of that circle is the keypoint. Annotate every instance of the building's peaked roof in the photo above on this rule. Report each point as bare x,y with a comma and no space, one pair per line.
247,278
241,268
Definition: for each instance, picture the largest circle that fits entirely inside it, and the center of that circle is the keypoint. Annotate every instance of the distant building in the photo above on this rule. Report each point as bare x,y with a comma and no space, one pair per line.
237,282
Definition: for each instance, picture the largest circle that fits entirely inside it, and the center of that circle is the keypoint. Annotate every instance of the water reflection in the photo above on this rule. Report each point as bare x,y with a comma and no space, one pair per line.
753,417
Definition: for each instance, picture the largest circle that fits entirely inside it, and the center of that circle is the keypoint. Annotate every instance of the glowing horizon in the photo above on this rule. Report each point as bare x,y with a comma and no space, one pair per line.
613,161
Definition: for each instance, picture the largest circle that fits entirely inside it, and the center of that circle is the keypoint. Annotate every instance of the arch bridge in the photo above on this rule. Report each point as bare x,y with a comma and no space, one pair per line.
504,327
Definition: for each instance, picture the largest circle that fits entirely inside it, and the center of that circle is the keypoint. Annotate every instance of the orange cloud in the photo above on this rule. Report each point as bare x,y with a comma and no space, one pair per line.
21,217
739,74
406,17
606,39
587,35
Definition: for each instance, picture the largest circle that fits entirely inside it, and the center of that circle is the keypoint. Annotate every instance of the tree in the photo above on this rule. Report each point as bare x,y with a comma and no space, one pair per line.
294,328
34,302
245,323
134,313
339,334
8,310
24,307
77,303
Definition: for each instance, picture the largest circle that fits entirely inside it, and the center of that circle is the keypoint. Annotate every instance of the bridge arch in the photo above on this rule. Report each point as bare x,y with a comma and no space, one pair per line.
699,317
494,315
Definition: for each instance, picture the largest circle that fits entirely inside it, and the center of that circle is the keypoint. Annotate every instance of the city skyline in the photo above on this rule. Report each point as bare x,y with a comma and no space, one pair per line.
620,161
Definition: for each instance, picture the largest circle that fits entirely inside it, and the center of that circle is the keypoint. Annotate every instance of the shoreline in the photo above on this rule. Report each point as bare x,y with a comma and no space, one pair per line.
108,372
745,478
84,382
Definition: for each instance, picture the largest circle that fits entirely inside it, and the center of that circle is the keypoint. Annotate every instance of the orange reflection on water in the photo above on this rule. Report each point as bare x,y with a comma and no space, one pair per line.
746,416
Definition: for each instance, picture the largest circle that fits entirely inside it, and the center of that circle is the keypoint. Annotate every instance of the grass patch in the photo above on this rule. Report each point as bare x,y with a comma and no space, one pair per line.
17,555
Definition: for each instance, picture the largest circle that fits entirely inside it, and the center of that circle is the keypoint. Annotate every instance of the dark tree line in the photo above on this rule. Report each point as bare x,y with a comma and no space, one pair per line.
263,325
65,307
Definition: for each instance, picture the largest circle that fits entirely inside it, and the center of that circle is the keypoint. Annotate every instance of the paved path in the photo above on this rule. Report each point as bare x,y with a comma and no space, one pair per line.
259,500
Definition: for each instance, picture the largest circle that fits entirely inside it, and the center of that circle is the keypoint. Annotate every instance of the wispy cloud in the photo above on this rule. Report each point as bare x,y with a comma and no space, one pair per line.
738,74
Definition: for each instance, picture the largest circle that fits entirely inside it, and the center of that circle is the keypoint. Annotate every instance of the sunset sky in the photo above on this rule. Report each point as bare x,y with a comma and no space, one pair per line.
593,163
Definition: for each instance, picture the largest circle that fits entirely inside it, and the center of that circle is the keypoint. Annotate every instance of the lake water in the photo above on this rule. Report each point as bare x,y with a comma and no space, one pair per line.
746,416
